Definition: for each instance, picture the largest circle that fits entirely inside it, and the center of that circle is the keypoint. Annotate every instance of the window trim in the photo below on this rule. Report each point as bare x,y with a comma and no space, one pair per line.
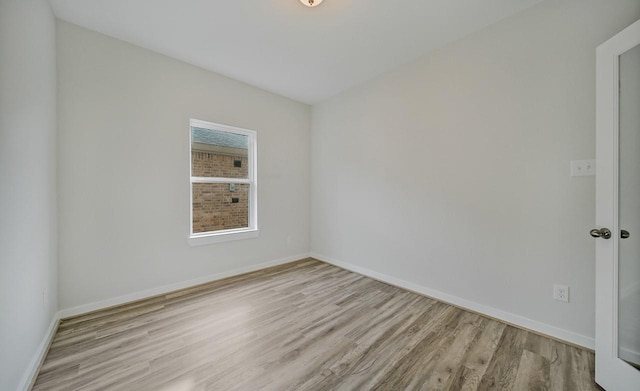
210,237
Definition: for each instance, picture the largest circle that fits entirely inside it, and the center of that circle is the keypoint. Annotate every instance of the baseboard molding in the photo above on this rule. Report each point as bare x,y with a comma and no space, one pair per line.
29,376
98,305
504,316
538,327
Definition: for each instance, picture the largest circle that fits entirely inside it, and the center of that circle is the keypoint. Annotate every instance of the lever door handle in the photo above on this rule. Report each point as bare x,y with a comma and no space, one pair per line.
604,233
624,234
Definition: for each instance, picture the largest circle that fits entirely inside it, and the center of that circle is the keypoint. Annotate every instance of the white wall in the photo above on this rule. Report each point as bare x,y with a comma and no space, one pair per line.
28,187
452,172
123,165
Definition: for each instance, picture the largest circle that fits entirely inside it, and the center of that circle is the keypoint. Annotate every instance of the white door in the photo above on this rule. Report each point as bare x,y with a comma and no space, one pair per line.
618,212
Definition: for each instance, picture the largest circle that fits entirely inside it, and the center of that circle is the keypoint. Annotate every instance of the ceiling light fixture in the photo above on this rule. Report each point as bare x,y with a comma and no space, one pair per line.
311,3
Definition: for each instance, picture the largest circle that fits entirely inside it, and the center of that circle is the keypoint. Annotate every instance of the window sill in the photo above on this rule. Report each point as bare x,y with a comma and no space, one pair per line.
225,236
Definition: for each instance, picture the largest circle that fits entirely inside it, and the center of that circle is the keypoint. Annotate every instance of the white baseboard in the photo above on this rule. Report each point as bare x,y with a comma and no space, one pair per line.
82,309
508,317
29,376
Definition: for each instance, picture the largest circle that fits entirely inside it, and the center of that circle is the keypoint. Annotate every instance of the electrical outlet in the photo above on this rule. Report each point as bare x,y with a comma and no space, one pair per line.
561,292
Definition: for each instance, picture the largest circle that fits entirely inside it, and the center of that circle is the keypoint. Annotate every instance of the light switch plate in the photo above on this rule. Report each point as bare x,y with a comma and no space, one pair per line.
583,167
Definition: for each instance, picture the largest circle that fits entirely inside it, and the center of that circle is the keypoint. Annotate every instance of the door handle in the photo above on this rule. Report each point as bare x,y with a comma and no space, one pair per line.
604,233
624,234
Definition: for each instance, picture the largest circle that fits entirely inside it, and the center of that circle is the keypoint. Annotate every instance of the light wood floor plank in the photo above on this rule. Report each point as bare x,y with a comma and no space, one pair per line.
303,326
533,373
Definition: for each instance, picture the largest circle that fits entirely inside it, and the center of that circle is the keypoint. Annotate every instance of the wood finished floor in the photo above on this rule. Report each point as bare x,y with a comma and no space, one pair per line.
304,326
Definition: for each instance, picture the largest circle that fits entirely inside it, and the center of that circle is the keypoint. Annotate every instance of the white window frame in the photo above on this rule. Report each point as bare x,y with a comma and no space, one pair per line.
203,238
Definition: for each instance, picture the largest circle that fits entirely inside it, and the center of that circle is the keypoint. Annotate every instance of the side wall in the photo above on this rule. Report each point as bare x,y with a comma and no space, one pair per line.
451,173
123,161
28,276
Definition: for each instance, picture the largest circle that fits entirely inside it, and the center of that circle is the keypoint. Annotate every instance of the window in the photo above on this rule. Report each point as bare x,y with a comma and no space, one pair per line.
223,183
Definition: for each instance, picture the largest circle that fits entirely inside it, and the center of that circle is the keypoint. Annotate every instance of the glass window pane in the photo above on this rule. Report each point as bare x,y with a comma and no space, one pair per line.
215,153
629,209
220,206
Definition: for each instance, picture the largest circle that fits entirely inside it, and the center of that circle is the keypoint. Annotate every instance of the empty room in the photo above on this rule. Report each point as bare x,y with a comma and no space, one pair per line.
319,195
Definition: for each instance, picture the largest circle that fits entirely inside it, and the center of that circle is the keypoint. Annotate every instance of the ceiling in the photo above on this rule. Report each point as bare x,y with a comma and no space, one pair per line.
306,54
